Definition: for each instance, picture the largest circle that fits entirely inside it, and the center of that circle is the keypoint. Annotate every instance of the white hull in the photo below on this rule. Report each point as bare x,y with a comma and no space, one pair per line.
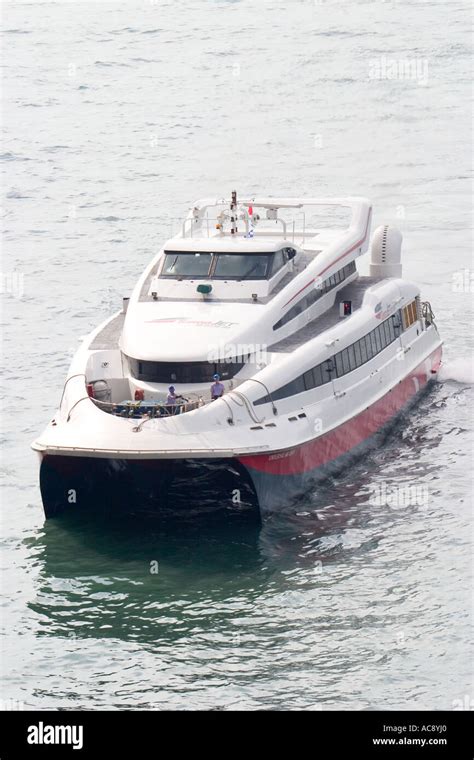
322,388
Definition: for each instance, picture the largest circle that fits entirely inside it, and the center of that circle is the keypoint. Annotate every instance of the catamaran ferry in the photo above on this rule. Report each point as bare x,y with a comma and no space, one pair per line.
250,347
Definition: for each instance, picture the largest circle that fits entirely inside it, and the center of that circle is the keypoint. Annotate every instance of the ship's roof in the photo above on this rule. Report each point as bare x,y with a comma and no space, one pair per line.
227,244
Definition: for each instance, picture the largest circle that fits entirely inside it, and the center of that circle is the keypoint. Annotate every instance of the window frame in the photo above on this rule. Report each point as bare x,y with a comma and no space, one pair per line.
318,375
352,358
345,361
183,372
373,343
308,379
378,341
273,272
218,256
339,364
358,354
178,276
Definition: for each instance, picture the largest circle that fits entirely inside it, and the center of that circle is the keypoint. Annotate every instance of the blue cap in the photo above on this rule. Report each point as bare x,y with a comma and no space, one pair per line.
171,388
216,377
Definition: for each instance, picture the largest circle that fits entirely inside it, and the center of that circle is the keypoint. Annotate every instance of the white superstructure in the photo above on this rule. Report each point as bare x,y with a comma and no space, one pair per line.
266,294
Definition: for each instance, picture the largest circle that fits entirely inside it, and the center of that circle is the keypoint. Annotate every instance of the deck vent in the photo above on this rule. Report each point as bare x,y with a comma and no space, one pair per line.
386,252
293,419
256,427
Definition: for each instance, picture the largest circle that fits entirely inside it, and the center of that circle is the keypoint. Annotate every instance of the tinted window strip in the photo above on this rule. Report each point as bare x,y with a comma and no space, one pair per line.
345,361
183,372
315,294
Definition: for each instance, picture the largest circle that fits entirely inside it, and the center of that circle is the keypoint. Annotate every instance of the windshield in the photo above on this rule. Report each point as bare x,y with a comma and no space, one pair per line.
186,265
243,266
231,266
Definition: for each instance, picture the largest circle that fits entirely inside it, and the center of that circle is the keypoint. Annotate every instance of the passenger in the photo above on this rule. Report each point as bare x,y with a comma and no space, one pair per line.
217,388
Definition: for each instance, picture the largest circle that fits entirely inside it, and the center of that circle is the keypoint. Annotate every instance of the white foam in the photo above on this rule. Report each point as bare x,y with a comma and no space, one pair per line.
457,370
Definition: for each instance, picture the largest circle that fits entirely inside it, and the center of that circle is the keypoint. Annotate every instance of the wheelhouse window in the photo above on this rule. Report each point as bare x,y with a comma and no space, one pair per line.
242,266
194,265
280,258
186,265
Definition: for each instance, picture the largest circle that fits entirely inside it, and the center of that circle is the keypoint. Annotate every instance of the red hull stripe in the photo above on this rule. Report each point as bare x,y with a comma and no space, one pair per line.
359,243
318,452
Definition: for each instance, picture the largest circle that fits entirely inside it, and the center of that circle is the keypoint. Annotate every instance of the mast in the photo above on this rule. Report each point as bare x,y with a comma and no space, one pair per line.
233,213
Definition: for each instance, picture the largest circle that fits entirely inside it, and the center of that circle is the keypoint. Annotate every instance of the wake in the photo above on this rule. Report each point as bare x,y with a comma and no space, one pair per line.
458,371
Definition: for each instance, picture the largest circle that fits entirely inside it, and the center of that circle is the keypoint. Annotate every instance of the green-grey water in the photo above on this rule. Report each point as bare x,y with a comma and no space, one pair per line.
117,117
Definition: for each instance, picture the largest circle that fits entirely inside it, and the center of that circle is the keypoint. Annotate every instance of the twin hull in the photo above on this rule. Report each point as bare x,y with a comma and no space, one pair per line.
267,481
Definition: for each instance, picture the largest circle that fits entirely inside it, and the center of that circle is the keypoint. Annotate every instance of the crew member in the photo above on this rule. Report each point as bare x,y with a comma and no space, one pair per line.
172,397
172,401
217,388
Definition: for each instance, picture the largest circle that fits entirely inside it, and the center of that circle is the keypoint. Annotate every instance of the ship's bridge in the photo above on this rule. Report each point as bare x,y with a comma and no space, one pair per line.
223,268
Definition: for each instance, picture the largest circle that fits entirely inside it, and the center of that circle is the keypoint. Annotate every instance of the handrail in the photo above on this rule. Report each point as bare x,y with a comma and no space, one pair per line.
79,374
230,419
83,398
207,219
188,406
248,405
169,408
254,380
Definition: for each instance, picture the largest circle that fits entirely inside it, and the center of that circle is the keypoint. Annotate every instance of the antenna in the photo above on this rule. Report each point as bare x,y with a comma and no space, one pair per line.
233,213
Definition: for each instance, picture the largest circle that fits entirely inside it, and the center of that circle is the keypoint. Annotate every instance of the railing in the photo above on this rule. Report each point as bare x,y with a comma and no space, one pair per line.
204,224
83,398
79,374
150,409
132,409
190,222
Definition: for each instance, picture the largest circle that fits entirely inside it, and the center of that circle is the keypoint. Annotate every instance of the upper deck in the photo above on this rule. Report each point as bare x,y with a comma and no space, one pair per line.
253,249
310,223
